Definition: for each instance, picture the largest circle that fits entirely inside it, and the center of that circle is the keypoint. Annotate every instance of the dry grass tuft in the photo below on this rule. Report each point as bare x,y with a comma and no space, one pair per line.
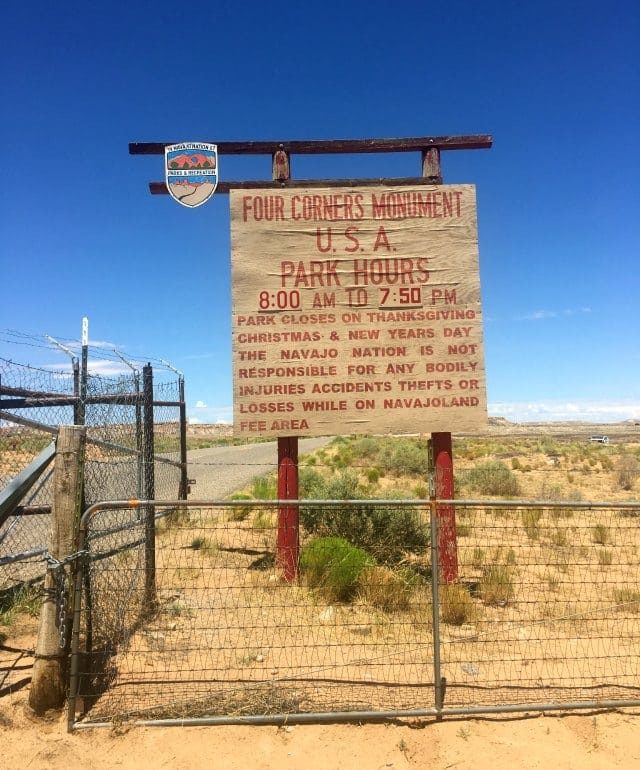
456,605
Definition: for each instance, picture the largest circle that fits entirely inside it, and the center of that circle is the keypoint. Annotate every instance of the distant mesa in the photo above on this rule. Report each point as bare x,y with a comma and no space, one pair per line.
499,421
195,160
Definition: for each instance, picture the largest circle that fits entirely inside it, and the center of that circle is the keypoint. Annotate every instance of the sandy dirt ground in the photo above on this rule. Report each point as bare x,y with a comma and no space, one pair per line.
586,741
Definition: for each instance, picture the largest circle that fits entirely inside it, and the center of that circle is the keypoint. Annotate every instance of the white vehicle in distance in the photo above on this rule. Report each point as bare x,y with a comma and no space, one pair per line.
600,439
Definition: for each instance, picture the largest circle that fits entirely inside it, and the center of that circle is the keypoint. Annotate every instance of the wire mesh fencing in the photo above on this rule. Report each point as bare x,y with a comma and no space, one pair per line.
544,611
120,458
547,605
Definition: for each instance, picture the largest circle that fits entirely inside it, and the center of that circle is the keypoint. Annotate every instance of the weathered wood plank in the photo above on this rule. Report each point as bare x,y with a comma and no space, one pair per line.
331,146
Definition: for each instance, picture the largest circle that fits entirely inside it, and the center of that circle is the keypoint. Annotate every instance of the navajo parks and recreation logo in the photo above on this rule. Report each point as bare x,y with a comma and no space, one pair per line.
191,172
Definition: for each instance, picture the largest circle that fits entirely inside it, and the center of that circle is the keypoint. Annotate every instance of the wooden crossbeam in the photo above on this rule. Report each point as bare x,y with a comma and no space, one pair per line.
332,146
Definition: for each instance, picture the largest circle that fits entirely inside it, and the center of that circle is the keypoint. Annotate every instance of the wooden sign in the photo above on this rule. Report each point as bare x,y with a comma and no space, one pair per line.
356,310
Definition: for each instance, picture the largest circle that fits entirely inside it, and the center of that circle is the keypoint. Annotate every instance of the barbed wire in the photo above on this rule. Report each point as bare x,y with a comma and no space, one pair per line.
42,340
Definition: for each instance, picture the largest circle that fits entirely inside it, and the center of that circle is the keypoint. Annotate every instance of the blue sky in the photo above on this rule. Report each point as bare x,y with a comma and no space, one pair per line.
556,84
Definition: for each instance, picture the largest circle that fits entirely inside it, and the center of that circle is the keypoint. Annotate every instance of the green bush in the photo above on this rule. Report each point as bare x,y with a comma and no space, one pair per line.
365,447
265,487
387,533
333,565
373,475
241,512
492,478
405,457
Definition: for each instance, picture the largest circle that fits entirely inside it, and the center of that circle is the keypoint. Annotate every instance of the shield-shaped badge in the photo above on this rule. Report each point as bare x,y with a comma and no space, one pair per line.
191,172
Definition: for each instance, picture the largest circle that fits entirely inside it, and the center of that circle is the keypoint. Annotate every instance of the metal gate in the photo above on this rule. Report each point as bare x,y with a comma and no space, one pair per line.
182,612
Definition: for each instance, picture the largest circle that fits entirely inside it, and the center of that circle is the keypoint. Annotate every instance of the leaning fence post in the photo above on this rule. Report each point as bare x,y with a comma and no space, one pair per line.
148,487
48,684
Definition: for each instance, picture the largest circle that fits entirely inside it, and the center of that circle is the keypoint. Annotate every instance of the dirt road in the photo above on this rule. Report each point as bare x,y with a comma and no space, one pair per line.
219,471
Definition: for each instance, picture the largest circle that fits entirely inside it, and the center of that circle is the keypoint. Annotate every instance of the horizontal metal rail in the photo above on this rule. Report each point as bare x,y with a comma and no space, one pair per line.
27,423
122,399
22,556
328,717
18,487
135,503
31,510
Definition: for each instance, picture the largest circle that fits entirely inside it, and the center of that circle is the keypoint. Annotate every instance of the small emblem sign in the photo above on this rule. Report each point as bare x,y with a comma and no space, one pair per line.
191,170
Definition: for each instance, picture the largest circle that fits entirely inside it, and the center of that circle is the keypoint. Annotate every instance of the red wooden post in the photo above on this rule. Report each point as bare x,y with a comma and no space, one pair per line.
447,541
288,542
288,538
441,446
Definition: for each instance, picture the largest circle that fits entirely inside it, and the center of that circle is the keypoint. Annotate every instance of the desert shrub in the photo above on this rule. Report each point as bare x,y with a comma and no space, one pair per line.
605,557
478,557
265,487
492,478
310,482
510,557
333,565
387,533
628,598
516,465
23,600
463,529
343,458
496,586
240,512
404,457
263,519
559,537
387,589
456,605
373,475
627,471
531,521
365,447
421,492
600,534
606,463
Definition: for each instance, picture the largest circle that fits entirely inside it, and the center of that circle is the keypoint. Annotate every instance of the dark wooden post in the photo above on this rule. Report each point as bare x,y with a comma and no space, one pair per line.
288,538
49,681
441,443
431,165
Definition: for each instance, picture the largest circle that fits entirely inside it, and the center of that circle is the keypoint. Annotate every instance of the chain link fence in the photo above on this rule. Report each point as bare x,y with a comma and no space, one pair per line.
544,611
121,455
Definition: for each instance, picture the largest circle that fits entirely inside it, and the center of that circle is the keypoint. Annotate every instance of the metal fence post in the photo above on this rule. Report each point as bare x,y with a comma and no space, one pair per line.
182,495
139,436
149,485
80,413
75,364
438,680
